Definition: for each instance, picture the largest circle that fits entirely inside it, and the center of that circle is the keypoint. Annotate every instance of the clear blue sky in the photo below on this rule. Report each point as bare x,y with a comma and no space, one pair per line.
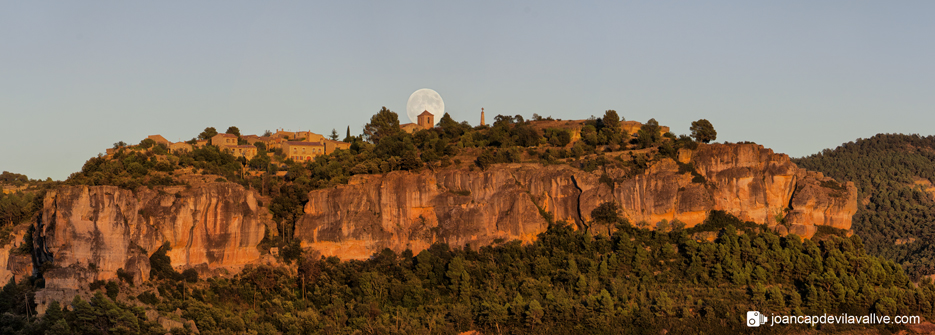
795,76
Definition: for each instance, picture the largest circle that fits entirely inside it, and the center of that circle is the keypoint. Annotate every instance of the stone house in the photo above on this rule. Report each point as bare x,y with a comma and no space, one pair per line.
331,146
308,136
180,147
302,151
222,140
284,134
250,139
274,142
424,121
159,139
410,127
246,151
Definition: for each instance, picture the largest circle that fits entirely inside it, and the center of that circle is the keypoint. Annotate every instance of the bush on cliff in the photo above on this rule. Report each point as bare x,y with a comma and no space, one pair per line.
161,265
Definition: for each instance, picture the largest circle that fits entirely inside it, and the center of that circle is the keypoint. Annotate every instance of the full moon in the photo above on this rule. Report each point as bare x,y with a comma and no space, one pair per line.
425,100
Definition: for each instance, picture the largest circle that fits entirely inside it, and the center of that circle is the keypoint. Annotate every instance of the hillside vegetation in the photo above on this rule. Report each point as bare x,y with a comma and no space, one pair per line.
568,282
894,175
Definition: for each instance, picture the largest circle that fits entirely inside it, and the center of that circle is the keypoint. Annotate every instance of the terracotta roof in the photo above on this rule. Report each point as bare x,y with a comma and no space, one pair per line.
313,144
242,146
226,135
426,113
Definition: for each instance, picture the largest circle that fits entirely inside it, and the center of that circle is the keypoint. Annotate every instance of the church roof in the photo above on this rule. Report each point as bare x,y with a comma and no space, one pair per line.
426,113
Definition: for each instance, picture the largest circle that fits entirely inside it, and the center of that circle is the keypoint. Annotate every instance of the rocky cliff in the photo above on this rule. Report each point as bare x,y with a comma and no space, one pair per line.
86,233
404,210
90,233
15,262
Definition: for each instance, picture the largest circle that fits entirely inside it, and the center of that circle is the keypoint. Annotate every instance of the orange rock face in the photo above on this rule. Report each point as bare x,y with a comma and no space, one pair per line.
402,210
89,233
14,263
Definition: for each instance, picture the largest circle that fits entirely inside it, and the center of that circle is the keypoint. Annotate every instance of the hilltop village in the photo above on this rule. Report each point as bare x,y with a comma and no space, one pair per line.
298,146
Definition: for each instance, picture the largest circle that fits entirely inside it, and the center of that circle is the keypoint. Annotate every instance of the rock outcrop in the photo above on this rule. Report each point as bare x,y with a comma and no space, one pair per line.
83,234
15,263
91,233
402,210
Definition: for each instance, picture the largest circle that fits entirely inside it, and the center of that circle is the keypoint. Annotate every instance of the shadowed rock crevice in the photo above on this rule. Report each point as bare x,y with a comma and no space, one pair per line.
579,220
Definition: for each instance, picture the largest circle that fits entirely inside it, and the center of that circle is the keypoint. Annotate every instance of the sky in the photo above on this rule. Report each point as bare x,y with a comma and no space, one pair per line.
794,76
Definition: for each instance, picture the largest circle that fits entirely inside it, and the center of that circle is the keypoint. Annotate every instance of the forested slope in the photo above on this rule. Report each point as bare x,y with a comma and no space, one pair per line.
635,281
893,174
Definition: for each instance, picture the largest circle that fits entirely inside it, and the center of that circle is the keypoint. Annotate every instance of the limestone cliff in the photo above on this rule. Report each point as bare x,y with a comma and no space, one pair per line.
15,263
402,210
89,233
86,233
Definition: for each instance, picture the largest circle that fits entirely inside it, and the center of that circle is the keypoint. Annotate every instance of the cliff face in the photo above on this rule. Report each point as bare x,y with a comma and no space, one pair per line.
14,262
402,210
88,233
85,233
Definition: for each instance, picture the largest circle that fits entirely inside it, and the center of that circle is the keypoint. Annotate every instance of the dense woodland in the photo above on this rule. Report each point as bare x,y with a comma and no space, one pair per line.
634,281
896,214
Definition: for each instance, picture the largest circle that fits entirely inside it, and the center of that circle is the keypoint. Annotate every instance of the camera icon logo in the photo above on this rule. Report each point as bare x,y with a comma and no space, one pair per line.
755,319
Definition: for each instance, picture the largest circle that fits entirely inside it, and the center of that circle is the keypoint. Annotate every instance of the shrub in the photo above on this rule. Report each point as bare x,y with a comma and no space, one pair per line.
125,276
161,264
190,275
148,298
112,290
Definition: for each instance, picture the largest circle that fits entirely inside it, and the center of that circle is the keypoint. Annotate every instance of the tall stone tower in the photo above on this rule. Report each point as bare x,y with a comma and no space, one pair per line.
426,120
482,123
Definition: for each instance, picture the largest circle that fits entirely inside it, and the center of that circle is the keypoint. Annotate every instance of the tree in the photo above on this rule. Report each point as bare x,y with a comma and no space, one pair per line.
450,127
611,120
703,131
208,133
383,123
648,135
267,133
147,143
233,131
348,138
607,213
334,135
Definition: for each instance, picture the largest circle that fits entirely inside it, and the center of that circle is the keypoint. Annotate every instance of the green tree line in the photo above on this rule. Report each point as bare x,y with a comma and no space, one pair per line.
893,208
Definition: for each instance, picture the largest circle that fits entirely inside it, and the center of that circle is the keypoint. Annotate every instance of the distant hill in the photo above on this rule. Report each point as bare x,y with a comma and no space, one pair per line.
894,175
